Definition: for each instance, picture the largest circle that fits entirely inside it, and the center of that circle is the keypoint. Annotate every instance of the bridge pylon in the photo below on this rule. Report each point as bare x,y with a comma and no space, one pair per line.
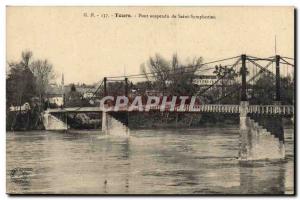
244,81
261,136
277,60
243,131
105,86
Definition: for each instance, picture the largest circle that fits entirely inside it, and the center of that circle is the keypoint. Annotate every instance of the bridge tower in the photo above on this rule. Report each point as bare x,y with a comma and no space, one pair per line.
278,98
63,89
104,124
276,122
243,112
105,86
126,87
115,121
126,94
244,81
261,135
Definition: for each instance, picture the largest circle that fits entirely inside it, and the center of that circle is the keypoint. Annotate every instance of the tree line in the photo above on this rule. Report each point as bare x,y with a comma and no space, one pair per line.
27,81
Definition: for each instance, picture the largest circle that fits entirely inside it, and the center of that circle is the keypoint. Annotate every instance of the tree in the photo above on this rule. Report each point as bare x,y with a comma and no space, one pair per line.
73,97
264,90
182,76
171,76
20,88
287,90
226,75
43,71
26,81
20,81
159,67
73,88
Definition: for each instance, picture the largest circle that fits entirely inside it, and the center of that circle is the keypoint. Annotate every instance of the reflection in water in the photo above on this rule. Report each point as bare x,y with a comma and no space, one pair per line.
170,161
269,182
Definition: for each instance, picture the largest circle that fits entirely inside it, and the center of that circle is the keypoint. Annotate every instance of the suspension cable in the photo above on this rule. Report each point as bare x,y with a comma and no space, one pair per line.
187,67
185,72
287,58
286,62
264,68
239,87
206,89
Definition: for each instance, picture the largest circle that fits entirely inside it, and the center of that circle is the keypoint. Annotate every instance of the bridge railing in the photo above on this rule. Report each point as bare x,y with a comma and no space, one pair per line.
255,109
215,108
186,108
271,109
205,108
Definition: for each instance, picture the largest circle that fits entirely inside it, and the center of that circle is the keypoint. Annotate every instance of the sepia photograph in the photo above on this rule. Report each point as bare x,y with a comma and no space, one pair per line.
150,100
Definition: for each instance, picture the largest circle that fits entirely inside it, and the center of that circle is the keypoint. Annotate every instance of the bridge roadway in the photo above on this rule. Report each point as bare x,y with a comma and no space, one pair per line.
206,108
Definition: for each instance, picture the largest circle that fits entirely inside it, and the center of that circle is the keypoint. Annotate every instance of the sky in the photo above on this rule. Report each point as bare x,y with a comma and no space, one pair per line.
86,49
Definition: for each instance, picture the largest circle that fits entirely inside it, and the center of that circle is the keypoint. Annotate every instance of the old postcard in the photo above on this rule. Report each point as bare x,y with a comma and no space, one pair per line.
150,100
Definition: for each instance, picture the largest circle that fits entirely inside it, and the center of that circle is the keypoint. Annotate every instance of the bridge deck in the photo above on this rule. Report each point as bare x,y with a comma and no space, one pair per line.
207,108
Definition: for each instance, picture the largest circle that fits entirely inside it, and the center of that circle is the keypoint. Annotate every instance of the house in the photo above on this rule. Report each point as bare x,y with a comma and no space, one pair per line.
24,107
88,95
55,99
86,91
207,80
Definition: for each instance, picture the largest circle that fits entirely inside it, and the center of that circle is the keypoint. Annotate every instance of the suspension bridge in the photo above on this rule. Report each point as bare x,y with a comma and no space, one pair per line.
261,129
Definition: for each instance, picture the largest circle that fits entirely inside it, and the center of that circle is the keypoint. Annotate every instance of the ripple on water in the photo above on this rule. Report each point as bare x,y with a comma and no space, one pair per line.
194,161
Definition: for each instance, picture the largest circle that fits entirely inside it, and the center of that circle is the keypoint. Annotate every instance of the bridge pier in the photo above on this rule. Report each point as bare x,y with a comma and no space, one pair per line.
53,123
104,125
115,125
243,153
261,137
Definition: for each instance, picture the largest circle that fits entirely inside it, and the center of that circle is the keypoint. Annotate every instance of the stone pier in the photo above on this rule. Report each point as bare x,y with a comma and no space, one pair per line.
261,137
244,130
104,125
53,123
113,126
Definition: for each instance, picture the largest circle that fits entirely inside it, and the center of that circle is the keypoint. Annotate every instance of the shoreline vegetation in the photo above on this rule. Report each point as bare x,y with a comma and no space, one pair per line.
32,82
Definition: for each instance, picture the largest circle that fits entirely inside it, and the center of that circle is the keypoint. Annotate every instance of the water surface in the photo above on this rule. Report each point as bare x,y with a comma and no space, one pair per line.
169,161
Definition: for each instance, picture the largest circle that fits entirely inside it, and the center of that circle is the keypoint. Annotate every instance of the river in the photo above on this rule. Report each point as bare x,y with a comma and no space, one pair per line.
168,161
